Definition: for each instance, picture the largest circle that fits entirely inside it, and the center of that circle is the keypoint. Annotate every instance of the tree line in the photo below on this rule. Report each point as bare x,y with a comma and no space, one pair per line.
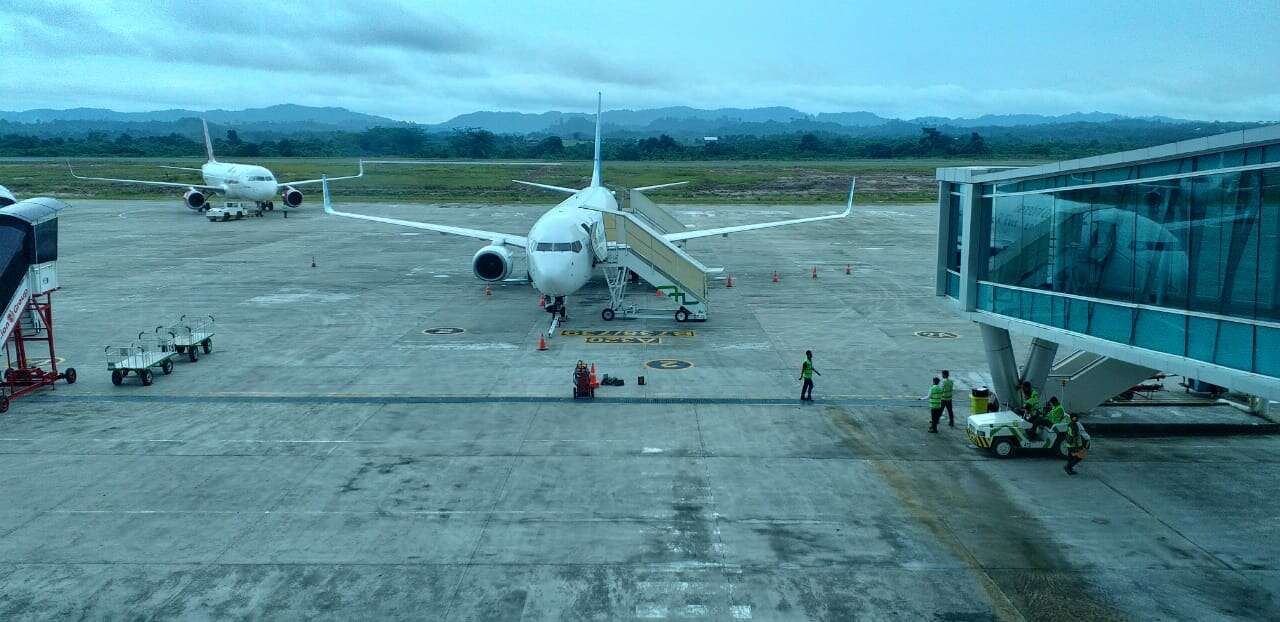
410,142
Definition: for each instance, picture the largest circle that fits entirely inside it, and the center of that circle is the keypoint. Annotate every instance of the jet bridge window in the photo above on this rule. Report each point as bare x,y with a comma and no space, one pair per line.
574,246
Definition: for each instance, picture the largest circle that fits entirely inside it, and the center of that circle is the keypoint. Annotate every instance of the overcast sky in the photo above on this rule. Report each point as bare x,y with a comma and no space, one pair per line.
426,62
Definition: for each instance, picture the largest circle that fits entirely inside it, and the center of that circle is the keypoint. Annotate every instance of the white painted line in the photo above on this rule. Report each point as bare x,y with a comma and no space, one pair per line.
740,612
651,612
651,450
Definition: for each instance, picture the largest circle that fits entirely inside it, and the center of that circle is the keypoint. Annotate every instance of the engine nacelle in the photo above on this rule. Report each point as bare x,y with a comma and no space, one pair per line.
194,199
492,263
291,196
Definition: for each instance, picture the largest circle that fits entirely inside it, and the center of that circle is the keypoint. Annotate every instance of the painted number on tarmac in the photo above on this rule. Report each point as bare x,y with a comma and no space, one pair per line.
668,364
652,340
443,330
936,334
627,333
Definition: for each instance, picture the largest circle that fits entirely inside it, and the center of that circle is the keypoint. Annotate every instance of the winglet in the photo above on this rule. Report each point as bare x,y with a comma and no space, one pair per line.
72,170
853,183
595,169
324,192
208,144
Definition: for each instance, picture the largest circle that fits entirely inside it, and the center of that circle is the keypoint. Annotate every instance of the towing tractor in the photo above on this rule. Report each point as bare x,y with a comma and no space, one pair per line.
1005,433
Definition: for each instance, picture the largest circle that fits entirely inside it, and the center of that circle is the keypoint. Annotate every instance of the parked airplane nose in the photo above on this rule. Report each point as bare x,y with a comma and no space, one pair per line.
552,275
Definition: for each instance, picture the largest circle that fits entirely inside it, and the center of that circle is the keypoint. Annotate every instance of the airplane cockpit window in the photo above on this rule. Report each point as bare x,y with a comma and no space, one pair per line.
575,246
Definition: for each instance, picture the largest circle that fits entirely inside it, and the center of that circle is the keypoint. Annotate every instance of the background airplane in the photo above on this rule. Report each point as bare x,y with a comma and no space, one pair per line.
6,197
564,244
236,182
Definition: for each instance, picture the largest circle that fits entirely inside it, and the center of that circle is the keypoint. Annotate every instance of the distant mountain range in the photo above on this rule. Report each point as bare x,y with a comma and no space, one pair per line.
680,121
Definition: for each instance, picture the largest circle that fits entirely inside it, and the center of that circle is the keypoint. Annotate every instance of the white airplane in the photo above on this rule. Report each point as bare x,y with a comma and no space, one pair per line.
560,246
237,182
6,197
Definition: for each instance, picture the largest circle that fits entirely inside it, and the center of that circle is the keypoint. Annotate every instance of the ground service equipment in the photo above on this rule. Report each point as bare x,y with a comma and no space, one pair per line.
28,278
190,335
140,357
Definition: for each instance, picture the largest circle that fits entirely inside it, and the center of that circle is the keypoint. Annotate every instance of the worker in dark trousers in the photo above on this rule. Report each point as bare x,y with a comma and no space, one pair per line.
935,405
806,375
948,386
1077,446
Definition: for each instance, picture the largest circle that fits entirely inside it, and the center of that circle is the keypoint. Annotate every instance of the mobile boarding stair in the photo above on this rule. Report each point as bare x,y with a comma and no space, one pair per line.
634,244
28,278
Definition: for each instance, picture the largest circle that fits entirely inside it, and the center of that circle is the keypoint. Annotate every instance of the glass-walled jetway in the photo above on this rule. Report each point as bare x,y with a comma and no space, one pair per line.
1171,252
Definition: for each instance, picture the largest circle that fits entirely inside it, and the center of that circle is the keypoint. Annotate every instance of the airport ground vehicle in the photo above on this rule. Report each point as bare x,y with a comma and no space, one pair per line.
1005,433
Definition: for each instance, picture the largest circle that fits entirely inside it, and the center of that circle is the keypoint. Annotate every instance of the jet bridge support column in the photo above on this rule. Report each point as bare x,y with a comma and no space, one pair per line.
1039,361
1004,368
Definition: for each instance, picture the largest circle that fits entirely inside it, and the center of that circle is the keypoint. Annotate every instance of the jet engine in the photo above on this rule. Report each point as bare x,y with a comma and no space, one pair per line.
194,199
492,263
291,196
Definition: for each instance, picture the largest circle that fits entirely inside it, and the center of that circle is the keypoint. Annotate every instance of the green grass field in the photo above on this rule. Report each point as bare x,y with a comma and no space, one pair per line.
879,181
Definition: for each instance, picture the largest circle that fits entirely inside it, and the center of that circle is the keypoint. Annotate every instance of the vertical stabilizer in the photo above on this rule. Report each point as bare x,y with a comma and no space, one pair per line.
595,169
208,144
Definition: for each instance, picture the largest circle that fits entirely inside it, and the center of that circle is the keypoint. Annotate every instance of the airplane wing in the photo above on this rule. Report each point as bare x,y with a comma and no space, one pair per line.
546,187
180,168
660,186
702,233
147,183
491,236
316,181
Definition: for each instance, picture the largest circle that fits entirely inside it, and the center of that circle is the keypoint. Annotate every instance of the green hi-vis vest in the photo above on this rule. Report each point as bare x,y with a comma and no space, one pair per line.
1074,439
1032,403
806,370
947,386
1058,414
935,396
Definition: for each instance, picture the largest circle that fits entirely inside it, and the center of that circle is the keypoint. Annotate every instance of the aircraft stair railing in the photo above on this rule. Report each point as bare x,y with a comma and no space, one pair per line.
652,213
637,247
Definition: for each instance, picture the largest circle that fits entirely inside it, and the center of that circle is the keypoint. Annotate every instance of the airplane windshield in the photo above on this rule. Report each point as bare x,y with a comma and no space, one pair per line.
575,247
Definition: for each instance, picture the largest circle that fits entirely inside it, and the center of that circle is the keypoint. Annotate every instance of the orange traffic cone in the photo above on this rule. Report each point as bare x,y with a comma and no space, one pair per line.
542,343
729,282
657,293
815,272
594,382
542,302
488,291
775,276
847,269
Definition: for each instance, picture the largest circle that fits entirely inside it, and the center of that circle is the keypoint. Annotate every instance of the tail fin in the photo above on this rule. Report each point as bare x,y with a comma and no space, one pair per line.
208,144
595,170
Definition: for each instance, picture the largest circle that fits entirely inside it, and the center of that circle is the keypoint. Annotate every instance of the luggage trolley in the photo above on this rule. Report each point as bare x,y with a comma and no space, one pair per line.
139,357
192,335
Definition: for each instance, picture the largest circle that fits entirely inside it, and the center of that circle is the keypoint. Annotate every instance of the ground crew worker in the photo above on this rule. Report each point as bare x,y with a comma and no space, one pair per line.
1078,447
1030,400
1057,414
806,374
935,405
947,387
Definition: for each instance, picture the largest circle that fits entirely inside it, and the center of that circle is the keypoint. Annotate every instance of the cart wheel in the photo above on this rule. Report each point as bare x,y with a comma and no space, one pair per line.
226,217
191,354
167,367
8,375
607,314
4,404
682,315
116,377
146,377
207,345
70,375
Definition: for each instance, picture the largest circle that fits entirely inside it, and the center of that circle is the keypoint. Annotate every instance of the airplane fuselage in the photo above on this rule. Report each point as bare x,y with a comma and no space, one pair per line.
241,182
560,251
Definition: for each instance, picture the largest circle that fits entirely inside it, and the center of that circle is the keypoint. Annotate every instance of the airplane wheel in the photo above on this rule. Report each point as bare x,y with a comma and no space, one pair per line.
607,315
682,315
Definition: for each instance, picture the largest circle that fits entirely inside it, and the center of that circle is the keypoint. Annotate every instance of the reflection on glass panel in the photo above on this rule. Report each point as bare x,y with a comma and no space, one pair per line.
954,230
1110,323
953,284
984,301
1268,351
1235,345
1163,332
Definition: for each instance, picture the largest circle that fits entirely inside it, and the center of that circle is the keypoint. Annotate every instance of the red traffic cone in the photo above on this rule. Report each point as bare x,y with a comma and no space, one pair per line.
729,282
313,261
542,302
488,291
542,343
848,269
594,383
815,272
775,276
657,293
